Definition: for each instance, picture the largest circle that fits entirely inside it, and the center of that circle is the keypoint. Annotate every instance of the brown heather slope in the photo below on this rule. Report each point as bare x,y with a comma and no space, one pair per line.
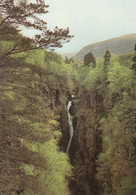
120,45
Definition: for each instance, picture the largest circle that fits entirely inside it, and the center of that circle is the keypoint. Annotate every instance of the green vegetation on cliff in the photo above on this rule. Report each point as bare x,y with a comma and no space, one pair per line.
106,127
34,85
31,92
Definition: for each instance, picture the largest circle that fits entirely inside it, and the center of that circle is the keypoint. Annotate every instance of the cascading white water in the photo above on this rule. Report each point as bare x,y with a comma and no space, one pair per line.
70,122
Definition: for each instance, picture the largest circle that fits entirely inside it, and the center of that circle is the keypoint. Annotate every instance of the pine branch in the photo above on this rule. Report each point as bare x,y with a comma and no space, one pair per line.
9,52
4,21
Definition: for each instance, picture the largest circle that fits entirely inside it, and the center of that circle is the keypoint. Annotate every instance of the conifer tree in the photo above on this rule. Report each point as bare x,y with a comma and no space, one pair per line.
89,58
106,63
67,60
25,14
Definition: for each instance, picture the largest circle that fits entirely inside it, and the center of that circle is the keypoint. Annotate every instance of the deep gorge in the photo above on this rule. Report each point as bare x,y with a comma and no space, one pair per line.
95,142
66,127
35,127
85,146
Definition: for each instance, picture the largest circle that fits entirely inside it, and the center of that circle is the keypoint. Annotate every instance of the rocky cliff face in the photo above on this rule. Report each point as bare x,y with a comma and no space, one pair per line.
59,95
86,143
56,95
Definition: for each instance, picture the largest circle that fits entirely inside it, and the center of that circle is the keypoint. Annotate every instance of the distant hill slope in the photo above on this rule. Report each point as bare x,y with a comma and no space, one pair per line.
120,45
69,55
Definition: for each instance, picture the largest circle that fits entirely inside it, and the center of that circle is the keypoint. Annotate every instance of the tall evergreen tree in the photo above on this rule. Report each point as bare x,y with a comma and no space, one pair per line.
89,58
106,63
67,60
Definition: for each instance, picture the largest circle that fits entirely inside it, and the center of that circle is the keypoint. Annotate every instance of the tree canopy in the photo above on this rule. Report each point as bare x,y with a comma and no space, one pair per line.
26,14
30,160
89,58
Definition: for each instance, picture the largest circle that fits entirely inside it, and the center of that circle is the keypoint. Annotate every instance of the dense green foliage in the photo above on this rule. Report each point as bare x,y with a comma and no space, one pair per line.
88,59
34,88
114,106
34,85
30,159
117,161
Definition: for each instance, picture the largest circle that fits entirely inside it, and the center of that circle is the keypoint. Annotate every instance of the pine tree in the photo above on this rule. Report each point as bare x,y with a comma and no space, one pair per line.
67,60
89,58
13,16
106,63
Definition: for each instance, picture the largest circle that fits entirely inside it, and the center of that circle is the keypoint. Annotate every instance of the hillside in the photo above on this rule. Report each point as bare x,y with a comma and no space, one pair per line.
119,45
69,55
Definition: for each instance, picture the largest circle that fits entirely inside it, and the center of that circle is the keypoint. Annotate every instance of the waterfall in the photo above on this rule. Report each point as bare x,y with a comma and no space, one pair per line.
70,123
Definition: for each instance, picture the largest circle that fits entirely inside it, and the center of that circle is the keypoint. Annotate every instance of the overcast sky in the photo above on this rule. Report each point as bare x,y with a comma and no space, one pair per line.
91,21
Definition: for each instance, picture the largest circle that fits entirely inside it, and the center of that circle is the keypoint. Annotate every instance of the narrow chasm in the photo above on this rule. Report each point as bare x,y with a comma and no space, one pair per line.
85,143
70,123
66,123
